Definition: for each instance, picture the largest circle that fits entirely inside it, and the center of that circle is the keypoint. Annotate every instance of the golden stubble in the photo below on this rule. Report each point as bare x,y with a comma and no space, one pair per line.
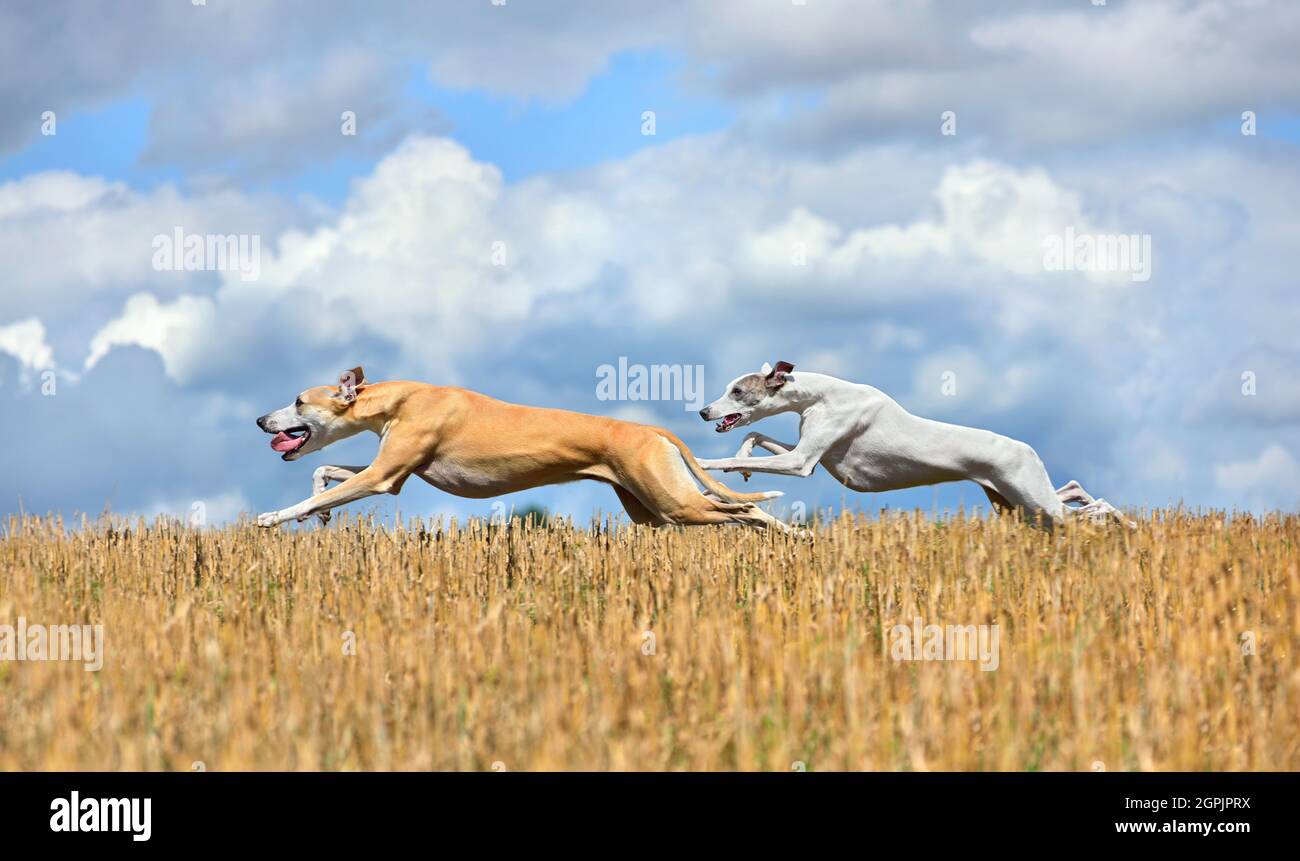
360,647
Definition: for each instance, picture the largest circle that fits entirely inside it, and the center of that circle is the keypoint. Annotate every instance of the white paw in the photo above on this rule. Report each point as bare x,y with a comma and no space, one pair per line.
270,518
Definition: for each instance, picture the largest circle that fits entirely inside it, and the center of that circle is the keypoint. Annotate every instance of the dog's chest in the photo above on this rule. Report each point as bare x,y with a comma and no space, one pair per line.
453,477
877,462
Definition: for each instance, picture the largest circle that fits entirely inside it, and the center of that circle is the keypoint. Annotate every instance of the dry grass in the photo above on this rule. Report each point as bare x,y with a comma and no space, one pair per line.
525,647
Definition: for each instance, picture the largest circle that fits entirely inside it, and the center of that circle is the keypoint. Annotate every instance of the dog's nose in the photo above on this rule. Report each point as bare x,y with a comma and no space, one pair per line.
261,422
704,414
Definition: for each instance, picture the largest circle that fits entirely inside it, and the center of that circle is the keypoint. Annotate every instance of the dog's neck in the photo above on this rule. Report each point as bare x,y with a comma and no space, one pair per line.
372,410
806,389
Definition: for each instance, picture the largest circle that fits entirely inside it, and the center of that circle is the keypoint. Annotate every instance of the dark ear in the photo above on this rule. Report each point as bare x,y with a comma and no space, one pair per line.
350,382
780,374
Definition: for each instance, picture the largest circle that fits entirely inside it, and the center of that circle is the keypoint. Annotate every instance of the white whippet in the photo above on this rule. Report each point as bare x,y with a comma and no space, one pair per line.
471,445
871,444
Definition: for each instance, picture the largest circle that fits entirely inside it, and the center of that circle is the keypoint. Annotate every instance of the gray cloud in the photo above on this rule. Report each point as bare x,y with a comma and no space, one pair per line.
256,87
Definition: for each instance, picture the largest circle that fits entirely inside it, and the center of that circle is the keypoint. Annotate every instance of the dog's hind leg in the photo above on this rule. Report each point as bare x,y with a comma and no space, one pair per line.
1019,480
660,479
760,519
321,478
635,509
1072,491
1100,511
1096,510
999,501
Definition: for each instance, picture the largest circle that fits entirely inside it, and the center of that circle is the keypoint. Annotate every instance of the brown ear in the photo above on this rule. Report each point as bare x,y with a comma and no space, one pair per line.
350,382
777,378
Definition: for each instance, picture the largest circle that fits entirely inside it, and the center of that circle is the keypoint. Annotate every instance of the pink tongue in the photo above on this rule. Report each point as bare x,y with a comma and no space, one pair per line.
283,442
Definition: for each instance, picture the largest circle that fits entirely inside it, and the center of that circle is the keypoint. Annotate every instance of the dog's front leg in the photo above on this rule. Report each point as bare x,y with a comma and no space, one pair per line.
790,463
372,480
801,460
752,439
323,475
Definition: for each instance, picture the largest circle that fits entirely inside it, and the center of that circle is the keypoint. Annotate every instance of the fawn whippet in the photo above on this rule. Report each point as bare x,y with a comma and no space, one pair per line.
869,443
468,444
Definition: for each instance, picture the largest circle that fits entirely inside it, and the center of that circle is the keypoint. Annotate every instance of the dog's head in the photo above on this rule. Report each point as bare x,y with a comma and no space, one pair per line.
318,417
750,398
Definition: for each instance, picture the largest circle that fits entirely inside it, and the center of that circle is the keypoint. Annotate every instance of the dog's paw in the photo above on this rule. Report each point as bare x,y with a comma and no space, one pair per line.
746,475
324,517
271,518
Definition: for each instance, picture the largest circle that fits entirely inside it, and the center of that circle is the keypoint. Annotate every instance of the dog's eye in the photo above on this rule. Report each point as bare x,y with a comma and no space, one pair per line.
298,403
735,391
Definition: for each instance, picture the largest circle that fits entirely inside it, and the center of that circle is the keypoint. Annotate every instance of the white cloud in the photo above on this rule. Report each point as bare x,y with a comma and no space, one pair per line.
179,332
683,250
988,212
70,240
1270,479
1029,75
955,381
25,341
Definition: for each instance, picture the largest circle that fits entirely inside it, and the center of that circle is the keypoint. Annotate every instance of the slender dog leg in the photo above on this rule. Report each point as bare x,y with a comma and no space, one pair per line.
1072,491
385,475
635,510
1100,511
801,460
998,500
321,478
790,463
751,439
1095,510
657,476
1020,481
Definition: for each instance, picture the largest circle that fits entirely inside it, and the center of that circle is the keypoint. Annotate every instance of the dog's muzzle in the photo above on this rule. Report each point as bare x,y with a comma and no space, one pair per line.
727,423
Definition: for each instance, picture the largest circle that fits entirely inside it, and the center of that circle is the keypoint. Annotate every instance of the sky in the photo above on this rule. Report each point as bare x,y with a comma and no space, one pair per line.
510,196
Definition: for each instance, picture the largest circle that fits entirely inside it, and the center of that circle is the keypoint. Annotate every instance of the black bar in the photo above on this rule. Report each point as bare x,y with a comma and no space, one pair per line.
725,811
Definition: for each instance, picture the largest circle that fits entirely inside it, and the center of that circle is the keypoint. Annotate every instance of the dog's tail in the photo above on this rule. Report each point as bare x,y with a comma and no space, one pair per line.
715,487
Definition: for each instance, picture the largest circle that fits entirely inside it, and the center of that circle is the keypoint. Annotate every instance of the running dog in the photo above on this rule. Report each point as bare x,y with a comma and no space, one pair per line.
871,444
470,445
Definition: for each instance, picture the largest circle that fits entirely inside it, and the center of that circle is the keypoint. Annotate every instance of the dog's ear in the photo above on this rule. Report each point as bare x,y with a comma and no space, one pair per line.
778,376
350,382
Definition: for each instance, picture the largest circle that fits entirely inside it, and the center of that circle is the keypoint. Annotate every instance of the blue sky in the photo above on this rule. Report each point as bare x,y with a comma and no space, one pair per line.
522,137
815,128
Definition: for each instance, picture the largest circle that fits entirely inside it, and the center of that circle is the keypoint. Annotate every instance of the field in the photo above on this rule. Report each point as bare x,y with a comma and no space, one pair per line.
1171,647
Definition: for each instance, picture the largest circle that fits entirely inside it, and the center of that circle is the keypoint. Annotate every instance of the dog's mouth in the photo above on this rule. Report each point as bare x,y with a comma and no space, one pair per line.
728,422
287,442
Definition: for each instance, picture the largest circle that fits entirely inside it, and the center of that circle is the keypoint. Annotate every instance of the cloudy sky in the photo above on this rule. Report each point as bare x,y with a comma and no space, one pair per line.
534,190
